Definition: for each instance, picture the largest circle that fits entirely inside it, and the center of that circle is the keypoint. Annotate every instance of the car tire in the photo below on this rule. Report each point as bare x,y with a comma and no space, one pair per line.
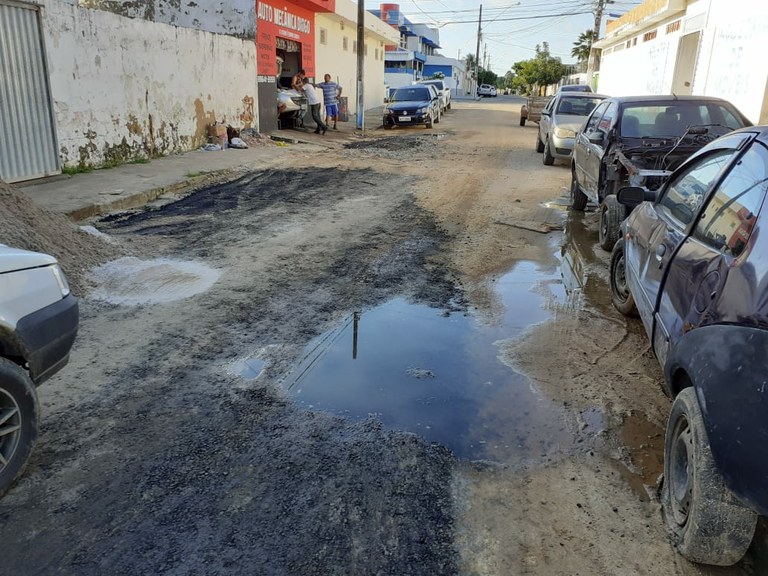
706,522
18,422
437,119
522,120
621,296
429,122
449,105
578,198
547,159
611,215
539,143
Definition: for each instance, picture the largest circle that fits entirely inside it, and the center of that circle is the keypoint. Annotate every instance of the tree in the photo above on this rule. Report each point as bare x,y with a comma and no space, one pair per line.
538,72
582,48
469,62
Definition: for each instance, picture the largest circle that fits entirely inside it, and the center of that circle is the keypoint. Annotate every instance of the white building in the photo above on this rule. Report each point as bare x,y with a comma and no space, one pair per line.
700,47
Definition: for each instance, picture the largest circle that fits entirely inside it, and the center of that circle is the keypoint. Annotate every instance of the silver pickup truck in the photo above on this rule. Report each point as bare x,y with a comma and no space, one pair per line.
38,325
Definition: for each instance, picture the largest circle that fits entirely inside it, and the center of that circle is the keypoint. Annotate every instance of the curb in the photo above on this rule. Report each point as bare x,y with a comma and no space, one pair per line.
146,196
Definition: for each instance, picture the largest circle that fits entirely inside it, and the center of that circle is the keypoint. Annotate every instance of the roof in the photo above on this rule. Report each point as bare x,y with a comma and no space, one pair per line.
665,98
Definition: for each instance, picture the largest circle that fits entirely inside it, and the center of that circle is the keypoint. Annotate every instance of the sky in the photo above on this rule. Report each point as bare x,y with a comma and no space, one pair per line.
558,22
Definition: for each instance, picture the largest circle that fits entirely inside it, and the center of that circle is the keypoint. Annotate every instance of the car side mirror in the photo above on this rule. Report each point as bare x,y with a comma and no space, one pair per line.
596,137
546,113
634,196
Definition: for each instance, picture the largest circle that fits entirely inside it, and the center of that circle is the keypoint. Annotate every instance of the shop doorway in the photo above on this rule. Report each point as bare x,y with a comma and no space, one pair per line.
290,53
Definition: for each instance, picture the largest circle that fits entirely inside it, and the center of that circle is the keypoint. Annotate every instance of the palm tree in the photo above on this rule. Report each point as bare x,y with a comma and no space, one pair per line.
582,47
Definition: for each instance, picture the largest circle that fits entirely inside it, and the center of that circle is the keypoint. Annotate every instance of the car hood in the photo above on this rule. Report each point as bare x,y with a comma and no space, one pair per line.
14,259
569,122
407,105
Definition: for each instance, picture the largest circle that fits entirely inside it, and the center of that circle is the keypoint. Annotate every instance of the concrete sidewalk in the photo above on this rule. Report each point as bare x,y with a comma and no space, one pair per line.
130,185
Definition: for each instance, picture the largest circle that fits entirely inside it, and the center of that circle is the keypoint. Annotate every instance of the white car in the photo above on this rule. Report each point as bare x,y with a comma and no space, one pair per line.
442,87
38,325
486,90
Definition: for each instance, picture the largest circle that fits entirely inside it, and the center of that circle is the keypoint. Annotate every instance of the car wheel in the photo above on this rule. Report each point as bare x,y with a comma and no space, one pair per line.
621,296
706,522
522,120
449,105
548,159
439,116
578,198
611,215
429,121
539,143
18,422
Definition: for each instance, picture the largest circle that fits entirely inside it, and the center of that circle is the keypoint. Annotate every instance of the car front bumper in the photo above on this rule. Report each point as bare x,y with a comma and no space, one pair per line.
561,147
46,337
405,119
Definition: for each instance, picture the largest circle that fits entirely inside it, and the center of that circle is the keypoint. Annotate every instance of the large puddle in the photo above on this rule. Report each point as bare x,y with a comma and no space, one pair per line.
422,370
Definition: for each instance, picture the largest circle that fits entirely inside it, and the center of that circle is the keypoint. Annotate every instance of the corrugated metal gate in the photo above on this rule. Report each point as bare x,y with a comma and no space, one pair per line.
28,146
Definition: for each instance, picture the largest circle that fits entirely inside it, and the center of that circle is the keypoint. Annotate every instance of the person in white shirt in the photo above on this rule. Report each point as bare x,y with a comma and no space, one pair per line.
314,107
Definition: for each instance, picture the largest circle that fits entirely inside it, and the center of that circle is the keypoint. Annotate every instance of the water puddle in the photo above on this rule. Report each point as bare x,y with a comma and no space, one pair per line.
131,282
436,374
248,368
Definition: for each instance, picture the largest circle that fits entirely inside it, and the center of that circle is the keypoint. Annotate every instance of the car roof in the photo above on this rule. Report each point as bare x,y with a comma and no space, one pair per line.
581,94
665,98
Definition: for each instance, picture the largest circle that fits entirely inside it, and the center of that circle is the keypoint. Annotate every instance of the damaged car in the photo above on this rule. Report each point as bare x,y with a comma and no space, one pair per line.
693,264
640,141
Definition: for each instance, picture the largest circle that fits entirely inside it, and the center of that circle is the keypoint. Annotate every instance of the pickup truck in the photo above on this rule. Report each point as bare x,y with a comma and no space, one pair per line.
38,325
444,91
531,110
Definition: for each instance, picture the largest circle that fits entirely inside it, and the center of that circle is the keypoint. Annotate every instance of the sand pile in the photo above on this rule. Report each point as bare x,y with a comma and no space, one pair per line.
24,224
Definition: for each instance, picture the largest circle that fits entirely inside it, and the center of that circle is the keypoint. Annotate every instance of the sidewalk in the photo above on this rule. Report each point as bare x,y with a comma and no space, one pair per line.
130,185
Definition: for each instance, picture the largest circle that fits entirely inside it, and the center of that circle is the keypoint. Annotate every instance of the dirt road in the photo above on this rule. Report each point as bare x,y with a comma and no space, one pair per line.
396,357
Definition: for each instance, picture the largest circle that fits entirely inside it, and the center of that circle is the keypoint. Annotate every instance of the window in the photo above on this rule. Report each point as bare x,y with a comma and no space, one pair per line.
673,26
345,43
649,36
685,195
595,118
608,117
323,36
727,221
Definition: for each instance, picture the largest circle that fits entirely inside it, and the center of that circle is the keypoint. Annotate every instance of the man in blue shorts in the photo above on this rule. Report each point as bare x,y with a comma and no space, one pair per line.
331,93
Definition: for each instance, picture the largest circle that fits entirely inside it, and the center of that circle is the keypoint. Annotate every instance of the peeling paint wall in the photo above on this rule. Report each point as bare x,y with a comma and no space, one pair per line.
232,17
126,88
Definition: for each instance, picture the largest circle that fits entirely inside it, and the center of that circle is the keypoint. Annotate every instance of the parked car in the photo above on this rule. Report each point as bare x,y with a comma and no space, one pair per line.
561,119
693,263
38,325
639,141
486,90
412,105
443,89
575,88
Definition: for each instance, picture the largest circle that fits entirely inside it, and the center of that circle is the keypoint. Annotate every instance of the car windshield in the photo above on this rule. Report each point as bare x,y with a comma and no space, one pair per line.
435,84
673,119
411,94
577,106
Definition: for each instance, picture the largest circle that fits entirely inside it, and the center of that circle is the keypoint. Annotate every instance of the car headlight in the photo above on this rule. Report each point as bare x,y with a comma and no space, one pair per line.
423,110
61,280
564,133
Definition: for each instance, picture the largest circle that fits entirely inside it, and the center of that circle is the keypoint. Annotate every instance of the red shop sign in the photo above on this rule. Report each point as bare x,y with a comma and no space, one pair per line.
289,22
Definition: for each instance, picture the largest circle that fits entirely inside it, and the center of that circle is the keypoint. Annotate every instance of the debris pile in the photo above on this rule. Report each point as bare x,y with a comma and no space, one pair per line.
24,224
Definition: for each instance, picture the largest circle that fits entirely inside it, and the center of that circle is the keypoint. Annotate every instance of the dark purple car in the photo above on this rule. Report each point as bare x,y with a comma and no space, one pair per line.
692,261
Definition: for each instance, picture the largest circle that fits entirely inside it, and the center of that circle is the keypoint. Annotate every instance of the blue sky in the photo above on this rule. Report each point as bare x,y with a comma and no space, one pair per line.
508,40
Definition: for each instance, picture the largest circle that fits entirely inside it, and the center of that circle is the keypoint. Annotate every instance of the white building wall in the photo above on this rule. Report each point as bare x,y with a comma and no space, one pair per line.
126,88
730,64
332,58
737,66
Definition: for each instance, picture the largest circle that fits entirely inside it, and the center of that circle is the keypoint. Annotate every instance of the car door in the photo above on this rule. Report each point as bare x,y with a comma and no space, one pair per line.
582,150
545,122
596,151
701,265
655,231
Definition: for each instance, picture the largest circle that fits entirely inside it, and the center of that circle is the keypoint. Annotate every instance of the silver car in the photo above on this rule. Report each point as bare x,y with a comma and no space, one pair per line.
560,120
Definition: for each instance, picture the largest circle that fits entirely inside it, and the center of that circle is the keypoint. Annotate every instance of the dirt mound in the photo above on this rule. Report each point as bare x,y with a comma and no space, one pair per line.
24,224
396,143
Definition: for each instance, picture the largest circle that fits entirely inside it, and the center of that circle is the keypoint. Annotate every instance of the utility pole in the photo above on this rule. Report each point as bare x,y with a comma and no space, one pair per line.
477,53
360,63
592,63
485,56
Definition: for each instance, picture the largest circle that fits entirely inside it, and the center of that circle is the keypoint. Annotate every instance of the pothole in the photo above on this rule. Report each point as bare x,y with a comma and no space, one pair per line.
130,281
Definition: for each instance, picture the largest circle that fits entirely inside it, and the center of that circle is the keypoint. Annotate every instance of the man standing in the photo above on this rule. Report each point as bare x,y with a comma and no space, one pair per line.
331,93
314,106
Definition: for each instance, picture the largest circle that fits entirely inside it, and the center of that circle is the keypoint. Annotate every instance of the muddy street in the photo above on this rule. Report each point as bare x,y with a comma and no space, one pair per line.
395,356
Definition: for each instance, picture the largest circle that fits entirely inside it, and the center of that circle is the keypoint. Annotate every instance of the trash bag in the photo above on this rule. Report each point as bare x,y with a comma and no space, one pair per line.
211,148
237,143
